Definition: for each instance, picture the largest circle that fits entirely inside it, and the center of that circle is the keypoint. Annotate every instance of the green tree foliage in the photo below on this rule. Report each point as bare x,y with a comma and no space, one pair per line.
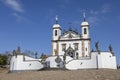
43,56
28,53
18,50
3,59
36,55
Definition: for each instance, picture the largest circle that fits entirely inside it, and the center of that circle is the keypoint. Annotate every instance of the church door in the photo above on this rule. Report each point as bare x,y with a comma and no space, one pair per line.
70,52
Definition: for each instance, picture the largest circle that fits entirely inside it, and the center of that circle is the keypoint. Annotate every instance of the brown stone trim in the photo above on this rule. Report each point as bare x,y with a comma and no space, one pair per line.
52,48
57,28
57,48
89,48
85,25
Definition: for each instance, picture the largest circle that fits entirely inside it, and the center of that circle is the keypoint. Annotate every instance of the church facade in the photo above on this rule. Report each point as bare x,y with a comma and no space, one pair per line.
71,42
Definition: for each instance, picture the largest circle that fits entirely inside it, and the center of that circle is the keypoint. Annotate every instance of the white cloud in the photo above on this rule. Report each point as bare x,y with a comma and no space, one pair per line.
93,20
77,22
94,12
18,17
105,8
14,4
82,10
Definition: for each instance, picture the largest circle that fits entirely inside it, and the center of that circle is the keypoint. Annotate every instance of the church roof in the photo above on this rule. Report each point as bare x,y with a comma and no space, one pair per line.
70,31
56,25
70,34
84,23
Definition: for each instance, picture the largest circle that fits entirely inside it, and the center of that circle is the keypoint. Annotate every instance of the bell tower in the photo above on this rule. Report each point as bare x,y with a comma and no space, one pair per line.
55,37
85,28
85,38
56,30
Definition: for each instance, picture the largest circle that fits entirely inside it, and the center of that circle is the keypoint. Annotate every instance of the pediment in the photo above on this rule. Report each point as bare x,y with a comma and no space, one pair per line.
70,34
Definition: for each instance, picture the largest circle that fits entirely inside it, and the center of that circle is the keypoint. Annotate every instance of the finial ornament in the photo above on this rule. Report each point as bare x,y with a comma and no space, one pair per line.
56,19
84,16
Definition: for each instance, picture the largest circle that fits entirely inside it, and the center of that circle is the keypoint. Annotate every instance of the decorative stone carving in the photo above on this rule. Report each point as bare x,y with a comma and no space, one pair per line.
97,47
58,59
111,50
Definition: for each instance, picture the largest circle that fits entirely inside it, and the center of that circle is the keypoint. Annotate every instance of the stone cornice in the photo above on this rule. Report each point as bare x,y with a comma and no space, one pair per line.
57,28
85,25
71,40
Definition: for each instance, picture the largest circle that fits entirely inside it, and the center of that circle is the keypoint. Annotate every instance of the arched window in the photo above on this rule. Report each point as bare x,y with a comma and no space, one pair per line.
85,31
55,32
77,55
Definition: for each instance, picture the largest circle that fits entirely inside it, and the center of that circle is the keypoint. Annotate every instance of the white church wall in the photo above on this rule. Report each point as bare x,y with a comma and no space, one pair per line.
99,61
90,63
107,60
29,64
113,62
30,58
13,63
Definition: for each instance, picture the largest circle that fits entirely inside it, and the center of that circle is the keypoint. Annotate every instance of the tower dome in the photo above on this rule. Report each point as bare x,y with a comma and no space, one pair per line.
84,23
56,25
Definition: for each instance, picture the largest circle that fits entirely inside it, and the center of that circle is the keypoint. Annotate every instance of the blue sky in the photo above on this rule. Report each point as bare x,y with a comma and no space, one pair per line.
28,23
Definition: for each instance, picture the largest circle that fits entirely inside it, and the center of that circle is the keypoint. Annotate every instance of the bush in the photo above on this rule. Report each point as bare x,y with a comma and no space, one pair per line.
3,59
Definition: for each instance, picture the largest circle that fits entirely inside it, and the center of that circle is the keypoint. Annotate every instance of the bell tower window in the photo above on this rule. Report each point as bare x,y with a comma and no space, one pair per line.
55,32
85,31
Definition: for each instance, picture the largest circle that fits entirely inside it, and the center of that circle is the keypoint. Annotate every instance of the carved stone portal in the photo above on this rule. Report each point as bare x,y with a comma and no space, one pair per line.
70,52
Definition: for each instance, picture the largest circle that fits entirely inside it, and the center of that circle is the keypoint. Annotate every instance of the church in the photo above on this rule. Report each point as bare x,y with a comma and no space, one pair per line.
70,50
74,44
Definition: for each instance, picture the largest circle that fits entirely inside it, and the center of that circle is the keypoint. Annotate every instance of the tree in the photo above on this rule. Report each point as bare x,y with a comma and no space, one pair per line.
28,53
36,55
43,56
3,59
14,53
18,50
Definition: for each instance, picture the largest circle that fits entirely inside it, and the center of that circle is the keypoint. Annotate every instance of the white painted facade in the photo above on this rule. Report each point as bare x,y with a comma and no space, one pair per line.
21,62
71,39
